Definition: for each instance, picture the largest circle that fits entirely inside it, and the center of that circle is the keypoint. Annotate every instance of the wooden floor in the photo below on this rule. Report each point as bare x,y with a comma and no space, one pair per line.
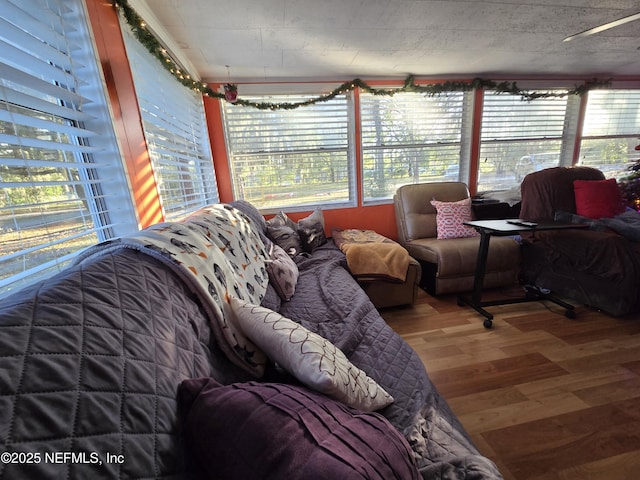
542,395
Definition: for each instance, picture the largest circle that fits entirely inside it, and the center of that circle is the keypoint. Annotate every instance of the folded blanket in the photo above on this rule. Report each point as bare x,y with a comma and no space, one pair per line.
371,255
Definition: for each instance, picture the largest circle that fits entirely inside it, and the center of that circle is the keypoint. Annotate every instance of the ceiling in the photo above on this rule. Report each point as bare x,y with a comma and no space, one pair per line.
243,41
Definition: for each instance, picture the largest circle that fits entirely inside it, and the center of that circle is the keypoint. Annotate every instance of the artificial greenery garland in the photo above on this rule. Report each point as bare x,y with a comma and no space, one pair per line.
148,39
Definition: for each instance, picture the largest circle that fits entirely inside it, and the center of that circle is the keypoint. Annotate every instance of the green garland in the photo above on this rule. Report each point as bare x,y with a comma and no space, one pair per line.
151,43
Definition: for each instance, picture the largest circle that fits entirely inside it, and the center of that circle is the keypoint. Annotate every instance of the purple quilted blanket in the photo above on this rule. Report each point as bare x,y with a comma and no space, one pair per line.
349,320
91,361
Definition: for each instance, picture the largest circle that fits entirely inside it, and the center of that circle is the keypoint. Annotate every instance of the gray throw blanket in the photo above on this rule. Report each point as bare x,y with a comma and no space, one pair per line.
441,446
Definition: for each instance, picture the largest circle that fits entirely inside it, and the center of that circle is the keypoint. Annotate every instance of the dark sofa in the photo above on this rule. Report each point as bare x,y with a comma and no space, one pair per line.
598,266
115,368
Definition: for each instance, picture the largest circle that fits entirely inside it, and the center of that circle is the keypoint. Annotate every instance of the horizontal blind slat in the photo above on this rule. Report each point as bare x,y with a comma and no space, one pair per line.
175,131
52,177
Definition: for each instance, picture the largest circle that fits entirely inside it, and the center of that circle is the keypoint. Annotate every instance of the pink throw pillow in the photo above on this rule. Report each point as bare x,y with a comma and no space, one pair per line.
450,217
597,198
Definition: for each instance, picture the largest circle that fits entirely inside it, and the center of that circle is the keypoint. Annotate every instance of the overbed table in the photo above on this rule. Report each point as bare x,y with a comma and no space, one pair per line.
504,228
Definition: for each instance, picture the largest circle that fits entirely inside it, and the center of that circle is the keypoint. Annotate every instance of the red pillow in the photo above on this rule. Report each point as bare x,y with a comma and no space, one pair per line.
597,198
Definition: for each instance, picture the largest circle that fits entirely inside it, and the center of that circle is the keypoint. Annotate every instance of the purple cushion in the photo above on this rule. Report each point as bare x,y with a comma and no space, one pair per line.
268,430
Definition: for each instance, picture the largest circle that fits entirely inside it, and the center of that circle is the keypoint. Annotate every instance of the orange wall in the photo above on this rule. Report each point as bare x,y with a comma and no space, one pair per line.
124,104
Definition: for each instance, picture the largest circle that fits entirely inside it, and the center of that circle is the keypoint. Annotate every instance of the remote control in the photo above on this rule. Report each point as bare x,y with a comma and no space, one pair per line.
522,223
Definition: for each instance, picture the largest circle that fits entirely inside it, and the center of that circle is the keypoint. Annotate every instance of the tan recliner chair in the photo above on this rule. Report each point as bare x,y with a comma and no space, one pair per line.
449,265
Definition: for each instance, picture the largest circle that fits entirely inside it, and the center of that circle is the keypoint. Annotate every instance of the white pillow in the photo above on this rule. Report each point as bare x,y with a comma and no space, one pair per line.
312,359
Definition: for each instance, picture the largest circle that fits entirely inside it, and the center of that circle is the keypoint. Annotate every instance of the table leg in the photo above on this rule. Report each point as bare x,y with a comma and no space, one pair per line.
475,301
481,267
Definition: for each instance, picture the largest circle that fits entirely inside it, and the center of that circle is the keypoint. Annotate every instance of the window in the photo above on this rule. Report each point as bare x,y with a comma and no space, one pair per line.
62,182
610,131
290,157
176,134
519,137
412,138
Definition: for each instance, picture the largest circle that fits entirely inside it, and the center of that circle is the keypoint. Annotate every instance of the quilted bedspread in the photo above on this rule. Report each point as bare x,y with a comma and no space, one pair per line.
349,320
91,361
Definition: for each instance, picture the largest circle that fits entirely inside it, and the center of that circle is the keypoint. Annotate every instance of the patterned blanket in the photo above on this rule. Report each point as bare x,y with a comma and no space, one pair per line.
371,255
219,255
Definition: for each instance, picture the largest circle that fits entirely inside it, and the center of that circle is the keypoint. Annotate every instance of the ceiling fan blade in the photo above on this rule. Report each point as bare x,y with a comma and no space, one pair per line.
606,26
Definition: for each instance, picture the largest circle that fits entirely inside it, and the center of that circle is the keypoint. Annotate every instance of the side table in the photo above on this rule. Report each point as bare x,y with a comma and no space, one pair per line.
503,228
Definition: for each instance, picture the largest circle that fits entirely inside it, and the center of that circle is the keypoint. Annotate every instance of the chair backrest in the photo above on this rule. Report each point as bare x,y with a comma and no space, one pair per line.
551,190
415,216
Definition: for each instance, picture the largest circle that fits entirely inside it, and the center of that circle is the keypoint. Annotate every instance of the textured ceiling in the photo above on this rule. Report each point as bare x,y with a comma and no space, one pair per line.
319,40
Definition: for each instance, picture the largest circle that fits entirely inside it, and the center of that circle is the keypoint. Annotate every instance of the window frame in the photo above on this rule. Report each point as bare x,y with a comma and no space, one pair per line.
434,143
176,133
73,103
554,129
620,130
295,93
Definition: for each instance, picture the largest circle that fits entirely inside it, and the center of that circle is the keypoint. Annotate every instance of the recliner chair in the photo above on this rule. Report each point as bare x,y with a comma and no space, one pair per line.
448,265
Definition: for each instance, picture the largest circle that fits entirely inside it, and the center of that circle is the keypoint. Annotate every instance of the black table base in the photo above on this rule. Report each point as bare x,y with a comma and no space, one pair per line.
488,228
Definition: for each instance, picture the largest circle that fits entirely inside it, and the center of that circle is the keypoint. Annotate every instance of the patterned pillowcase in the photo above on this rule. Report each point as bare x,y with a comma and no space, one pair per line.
305,236
312,359
281,220
311,231
285,237
450,217
283,272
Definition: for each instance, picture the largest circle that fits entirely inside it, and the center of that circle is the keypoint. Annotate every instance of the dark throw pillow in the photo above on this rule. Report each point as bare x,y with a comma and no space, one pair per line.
303,237
258,430
286,238
311,231
282,231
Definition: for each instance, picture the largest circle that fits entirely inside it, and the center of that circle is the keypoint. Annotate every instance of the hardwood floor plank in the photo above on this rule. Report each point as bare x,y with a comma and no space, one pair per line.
611,392
618,467
544,396
484,401
485,376
509,415
575,381
555,443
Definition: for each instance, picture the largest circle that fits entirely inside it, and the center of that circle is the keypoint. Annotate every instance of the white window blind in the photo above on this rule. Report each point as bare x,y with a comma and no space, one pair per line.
412,138
610,131
290,157
175,131
518,137
62,183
